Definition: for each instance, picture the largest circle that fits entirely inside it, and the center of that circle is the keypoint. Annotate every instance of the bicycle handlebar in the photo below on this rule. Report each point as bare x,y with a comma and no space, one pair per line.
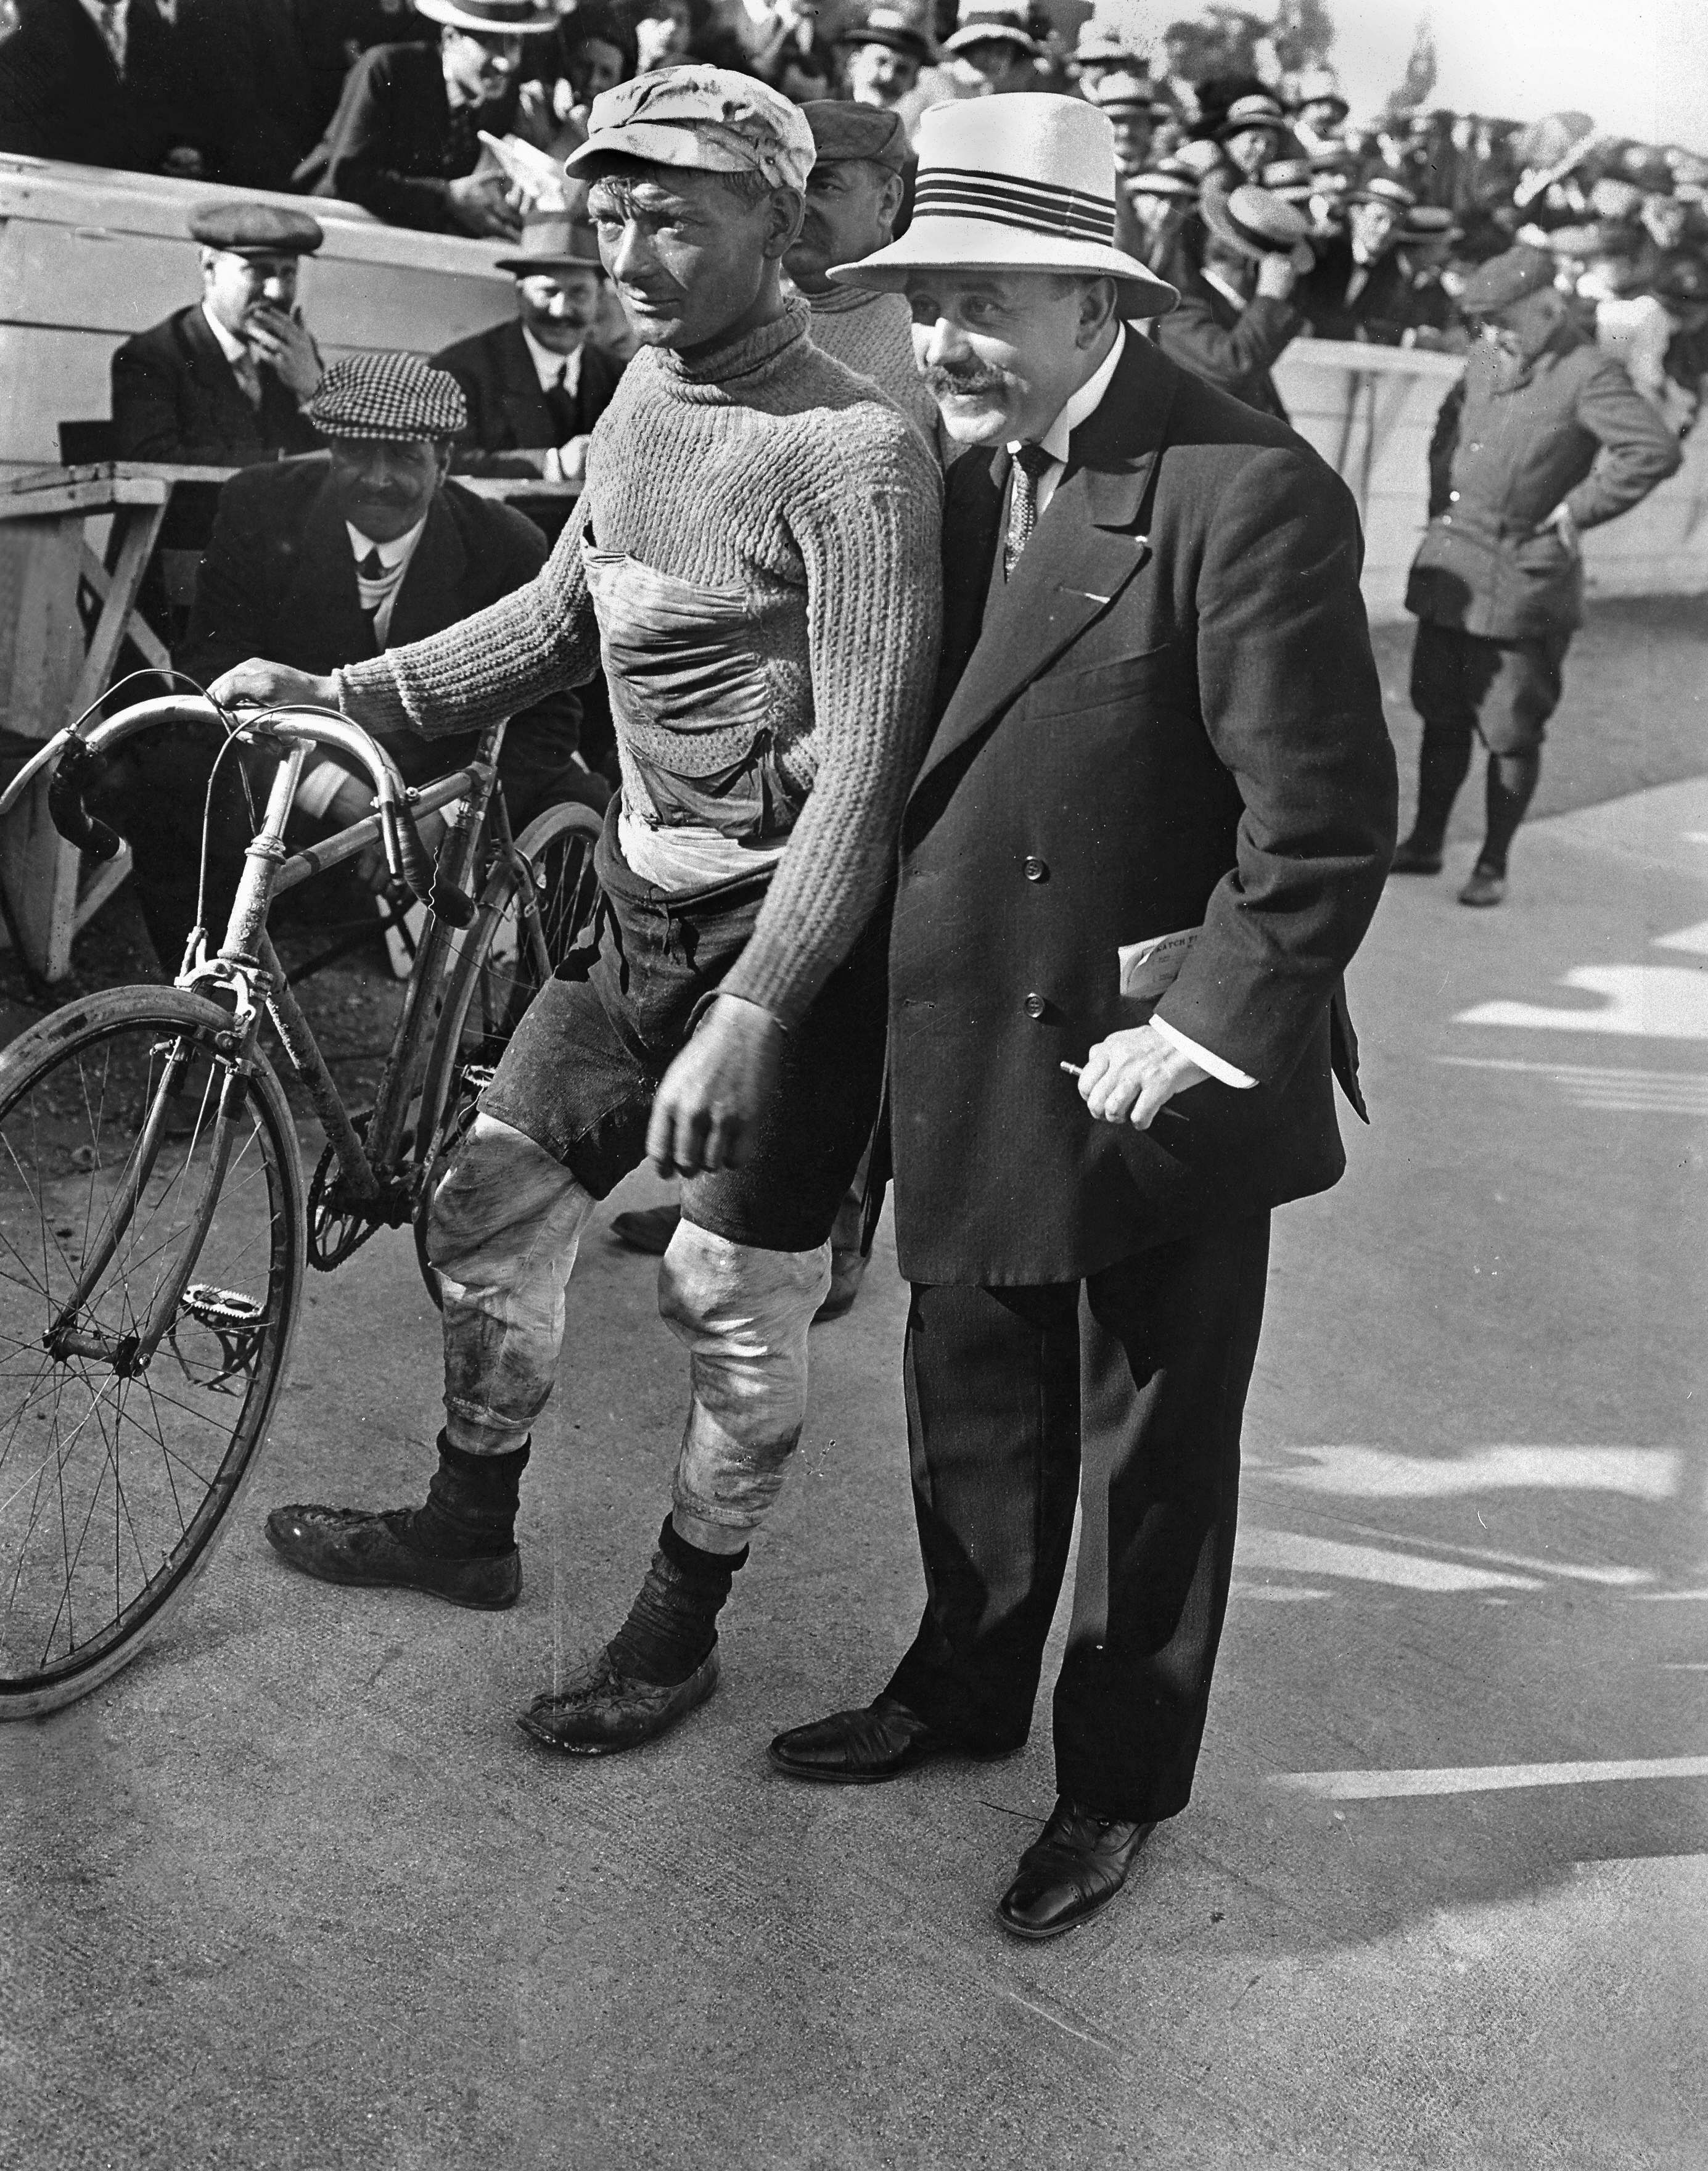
406,855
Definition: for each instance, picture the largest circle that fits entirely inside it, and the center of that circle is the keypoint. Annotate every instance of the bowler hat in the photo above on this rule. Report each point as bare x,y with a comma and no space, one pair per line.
255,229
1511,277
1021,183
891,27
554,241
841,131
1258,223
492,19
992,23
708,120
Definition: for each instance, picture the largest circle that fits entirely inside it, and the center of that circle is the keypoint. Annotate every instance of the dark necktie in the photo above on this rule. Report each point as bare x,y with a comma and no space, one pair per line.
460,151
1030,464
560,405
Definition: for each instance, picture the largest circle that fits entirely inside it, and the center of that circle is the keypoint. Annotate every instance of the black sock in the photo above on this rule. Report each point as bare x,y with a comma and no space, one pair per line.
673,1623
1511,784
471,1503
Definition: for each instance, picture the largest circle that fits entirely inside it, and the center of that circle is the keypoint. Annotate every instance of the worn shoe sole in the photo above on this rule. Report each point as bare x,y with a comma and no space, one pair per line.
487,1586
646,1725
931,1753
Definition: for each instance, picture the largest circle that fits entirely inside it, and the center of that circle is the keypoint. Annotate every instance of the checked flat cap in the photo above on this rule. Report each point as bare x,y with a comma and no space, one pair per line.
396,396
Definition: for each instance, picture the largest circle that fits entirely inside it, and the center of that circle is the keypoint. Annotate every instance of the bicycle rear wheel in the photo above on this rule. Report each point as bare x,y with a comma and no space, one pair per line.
521,935
151,1266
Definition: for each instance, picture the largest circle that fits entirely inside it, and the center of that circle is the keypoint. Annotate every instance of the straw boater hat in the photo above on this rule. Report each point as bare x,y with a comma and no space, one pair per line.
493,19
1020,183
1127,89
1258,111
1258,224
1384,189
1292,179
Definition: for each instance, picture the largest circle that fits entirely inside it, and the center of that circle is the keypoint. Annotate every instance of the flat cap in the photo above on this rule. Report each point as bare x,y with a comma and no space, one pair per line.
711,120
1506,279
255,229
841,131
396,396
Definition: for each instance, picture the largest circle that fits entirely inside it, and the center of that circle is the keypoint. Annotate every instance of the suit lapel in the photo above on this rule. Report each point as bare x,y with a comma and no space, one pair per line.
1082,554
323,594
428,599
523,402
237,419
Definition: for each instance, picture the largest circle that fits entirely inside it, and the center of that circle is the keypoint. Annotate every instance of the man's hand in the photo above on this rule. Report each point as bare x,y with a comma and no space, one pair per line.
1563,525
478,205
1131,1076
709,1107
273,686
1276,276
287,347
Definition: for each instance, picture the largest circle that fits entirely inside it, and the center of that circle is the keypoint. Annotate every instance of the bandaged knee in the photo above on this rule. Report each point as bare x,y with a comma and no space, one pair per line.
504,1227
743,1315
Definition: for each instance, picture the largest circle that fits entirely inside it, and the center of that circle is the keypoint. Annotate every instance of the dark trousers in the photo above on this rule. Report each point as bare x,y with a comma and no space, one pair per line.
1503,692
1126,1392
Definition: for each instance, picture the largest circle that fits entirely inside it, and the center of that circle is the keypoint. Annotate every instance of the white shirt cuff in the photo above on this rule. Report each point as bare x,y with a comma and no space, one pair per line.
1202,1056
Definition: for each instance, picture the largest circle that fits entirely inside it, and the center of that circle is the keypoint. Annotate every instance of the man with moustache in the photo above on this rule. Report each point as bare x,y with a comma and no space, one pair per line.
755,556
1149,832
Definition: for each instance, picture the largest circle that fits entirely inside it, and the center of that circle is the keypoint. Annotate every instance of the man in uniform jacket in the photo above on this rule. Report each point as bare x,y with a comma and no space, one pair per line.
292,570
1240,261
1149,832
1543,436
405,140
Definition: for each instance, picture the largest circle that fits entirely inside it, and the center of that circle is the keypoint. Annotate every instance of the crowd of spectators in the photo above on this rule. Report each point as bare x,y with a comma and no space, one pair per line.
454,115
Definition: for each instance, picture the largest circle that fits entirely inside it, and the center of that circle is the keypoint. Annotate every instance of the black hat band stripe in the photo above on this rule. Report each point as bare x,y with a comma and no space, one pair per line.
1004,200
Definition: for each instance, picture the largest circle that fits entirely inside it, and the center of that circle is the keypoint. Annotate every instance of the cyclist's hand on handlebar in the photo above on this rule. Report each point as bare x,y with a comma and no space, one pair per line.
708,1109
273,686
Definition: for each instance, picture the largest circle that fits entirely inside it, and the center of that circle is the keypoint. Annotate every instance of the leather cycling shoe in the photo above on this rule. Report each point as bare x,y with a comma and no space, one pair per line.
647,1229
860,1748
353,1546
1487,886
599,1712
847,1271
1411,858
1075,1866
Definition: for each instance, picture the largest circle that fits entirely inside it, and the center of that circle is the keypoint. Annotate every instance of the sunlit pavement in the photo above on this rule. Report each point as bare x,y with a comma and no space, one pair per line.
294,1891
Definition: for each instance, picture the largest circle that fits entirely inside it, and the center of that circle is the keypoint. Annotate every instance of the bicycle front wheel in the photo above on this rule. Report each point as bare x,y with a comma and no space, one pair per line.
522,934
151,1268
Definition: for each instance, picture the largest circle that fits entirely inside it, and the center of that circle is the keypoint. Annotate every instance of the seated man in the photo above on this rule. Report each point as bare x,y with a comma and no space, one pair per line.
405,140
536,385
323,562
225,382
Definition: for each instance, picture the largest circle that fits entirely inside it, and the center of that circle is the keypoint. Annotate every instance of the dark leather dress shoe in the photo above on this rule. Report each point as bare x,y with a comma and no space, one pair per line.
354,1545
599,1712
862,1748
647,1229
1075,1866
1411,858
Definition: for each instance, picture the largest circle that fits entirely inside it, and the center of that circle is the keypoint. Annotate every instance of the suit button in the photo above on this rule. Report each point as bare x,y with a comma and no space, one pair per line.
1034,870
1453,497
1036,1006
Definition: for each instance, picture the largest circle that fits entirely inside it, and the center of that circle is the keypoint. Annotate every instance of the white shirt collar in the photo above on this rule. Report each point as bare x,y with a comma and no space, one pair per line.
1084,403
546,365
390,553
230,346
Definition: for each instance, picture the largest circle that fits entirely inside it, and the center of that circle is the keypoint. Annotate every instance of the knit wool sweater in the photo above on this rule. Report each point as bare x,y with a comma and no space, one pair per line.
769,467
873,335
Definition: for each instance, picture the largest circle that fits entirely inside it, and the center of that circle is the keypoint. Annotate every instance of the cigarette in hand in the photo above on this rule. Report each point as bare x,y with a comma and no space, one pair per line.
1072,1070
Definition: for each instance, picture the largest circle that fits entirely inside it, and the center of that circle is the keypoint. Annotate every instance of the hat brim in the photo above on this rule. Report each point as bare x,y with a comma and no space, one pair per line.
1213,209
455,19
992,34
656,143
896,41
522,266
1267,122
974,244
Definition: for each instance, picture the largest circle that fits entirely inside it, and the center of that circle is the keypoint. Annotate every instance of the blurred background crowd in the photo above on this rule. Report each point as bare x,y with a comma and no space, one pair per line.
456,117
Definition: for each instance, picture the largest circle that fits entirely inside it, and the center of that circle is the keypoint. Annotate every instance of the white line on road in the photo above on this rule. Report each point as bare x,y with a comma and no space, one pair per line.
1643,1002
1606,1086
1482,1778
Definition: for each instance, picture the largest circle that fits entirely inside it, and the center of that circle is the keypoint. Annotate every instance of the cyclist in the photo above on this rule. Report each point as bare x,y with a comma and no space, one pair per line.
756,551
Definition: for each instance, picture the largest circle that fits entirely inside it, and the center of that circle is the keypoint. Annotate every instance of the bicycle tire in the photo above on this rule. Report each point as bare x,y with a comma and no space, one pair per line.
559,845
131,1094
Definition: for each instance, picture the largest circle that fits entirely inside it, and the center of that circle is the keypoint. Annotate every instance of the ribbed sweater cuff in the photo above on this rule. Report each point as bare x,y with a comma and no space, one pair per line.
369,695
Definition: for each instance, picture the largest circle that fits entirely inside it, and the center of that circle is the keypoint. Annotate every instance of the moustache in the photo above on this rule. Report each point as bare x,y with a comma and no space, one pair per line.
943,383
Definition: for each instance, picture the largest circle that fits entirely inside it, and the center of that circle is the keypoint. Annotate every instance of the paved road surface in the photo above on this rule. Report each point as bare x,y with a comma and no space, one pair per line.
293,1891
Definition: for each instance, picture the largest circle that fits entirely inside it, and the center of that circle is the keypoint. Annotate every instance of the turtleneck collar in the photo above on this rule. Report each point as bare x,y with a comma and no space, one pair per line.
742,362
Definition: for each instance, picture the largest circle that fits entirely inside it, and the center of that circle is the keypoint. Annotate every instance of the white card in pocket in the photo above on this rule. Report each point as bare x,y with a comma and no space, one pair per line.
1148,969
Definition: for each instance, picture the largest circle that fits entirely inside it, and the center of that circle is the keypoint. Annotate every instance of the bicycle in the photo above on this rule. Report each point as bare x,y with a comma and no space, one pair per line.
155,1226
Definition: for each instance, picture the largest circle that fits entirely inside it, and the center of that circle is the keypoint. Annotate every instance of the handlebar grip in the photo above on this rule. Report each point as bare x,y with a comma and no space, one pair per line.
453,905
67,811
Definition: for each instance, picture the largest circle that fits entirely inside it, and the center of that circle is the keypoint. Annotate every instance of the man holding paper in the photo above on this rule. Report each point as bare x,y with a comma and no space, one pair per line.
1149,834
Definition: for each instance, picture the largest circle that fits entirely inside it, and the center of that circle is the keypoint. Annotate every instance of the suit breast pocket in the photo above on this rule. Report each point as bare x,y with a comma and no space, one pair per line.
1149,678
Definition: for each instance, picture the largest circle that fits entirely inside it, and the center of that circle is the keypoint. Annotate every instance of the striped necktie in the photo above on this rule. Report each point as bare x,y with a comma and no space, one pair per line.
1030,463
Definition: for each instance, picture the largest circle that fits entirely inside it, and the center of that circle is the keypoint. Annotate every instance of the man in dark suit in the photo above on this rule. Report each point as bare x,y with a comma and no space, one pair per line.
225,381
324,561
536,384
1149,834
1239,261
97,85
1360,288
405,140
